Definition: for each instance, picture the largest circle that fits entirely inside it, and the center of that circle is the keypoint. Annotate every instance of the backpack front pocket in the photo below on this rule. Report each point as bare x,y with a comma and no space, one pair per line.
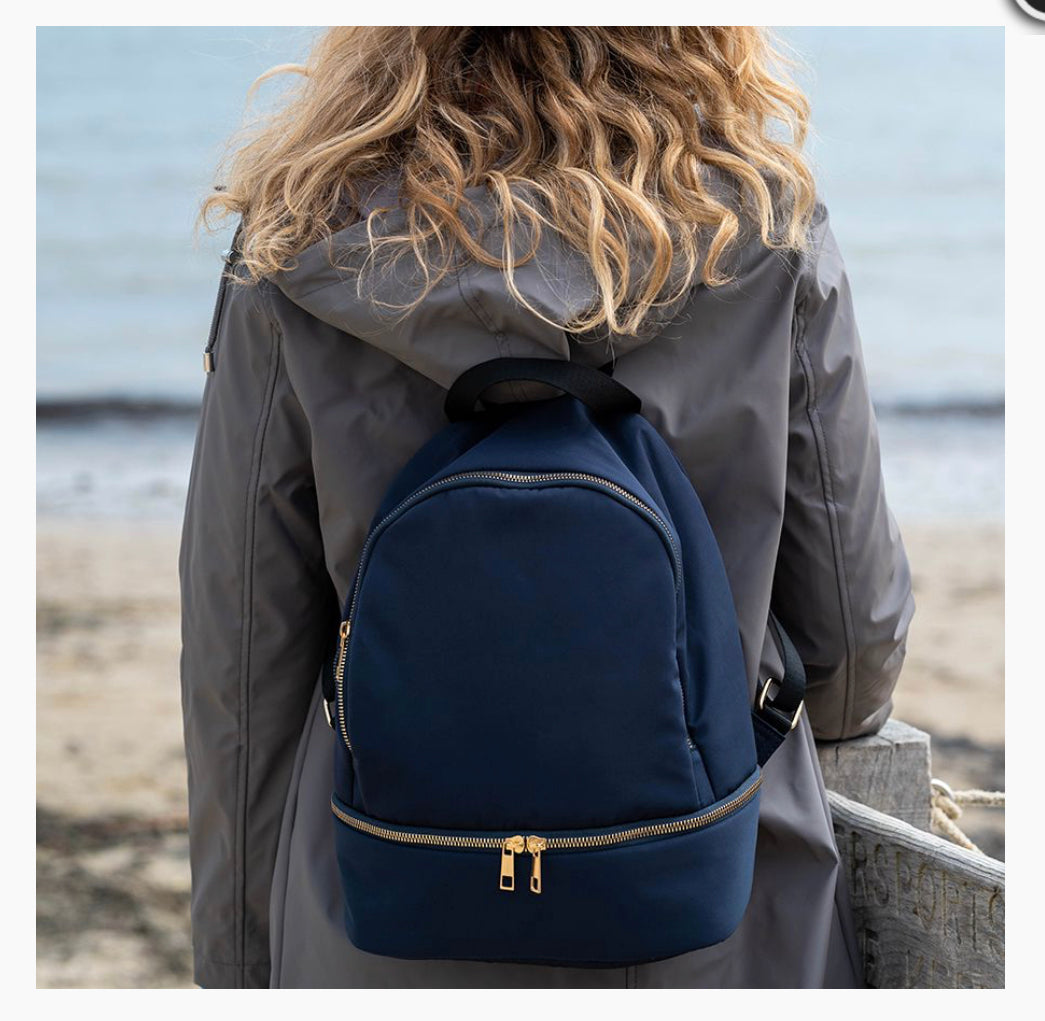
577,896
511,651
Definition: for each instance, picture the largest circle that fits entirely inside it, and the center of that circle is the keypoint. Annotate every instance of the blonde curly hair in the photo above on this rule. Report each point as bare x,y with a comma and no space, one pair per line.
608,137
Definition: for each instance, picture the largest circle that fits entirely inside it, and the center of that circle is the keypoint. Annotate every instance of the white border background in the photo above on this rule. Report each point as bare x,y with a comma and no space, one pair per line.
1025,511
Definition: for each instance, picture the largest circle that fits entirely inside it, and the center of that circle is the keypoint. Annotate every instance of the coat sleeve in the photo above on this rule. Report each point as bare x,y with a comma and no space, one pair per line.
842,585
257,611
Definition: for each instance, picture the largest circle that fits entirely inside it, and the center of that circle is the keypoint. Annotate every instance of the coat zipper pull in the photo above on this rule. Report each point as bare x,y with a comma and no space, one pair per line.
535,845
510,847
228,258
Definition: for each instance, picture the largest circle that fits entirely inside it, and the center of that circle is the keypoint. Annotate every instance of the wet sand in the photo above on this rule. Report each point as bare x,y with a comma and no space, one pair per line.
112,865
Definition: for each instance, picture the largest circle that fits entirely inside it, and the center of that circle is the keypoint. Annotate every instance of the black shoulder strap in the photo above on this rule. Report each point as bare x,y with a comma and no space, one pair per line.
776,713
596,388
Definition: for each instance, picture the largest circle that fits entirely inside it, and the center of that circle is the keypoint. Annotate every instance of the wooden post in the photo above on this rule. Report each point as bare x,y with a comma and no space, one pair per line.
929,915
888,771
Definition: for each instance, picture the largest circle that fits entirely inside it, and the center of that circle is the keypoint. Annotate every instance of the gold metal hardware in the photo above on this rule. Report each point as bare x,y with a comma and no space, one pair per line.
208,362
535,845
510,847
763,694
344,633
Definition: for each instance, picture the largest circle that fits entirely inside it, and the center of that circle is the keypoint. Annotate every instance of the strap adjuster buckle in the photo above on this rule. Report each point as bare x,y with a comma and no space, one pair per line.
765,704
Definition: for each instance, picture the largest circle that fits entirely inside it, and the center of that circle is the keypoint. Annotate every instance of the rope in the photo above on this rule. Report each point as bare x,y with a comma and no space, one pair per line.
947,806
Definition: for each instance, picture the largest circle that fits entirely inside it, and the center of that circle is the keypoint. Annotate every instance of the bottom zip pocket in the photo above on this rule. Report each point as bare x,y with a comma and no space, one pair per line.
618,895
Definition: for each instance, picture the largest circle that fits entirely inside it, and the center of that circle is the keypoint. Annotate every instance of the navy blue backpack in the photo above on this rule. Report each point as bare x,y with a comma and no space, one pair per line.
545,748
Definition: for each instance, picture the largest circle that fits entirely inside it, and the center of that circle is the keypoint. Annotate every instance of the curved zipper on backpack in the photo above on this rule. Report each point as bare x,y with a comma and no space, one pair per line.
513,478
535,845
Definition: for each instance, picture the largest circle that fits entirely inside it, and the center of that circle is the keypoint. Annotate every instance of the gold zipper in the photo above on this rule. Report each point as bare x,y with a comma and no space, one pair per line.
339,672
536,845
525,477
510,847
495,476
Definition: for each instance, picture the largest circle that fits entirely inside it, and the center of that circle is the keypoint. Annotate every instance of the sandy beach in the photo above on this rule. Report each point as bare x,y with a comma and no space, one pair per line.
113,874
112,863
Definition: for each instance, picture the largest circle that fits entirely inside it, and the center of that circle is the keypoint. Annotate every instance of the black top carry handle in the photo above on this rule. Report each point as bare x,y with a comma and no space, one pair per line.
598,390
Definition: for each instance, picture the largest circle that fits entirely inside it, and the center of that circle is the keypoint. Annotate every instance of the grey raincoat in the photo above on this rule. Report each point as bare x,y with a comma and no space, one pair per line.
317,400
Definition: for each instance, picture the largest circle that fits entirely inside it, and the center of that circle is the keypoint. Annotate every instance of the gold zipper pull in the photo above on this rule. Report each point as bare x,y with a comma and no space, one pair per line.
339,672
339,667
510,847
535,845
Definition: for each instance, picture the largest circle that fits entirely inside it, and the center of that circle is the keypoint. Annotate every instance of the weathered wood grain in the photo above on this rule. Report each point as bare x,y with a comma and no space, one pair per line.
929,915
888,771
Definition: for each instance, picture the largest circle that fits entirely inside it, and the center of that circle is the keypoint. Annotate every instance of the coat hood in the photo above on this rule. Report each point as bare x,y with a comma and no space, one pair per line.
473,303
